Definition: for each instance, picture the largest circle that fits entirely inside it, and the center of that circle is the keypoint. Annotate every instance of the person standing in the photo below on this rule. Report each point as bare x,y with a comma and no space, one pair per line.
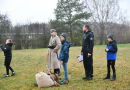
64,56
8,56
54,46
111,56
87,52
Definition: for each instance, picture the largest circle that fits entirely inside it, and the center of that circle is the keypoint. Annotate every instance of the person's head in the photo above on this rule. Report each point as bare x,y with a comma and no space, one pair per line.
8,41
53,32
110,37
85,28
63,36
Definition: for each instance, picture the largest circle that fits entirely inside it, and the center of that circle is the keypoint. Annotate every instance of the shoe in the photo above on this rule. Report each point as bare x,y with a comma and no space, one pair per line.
84,78
113,78
65,82
13,73
89,78
58,72
6,76
107,77
55,71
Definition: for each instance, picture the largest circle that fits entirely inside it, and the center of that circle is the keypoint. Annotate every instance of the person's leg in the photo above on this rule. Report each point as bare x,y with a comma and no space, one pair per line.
7,71
55,71
114,72
113,68
13,73
11,69
108,70
85,65
58,72
89,68
65,70
65,81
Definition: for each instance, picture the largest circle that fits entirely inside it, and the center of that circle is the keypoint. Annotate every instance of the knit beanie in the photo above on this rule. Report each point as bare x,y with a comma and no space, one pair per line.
110,36
64,35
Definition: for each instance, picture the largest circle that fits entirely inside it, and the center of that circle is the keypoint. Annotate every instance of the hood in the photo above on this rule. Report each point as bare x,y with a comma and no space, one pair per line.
114,41
67,43
10,44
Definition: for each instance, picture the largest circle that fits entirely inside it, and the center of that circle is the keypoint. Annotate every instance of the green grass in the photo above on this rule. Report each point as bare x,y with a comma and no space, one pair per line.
27,63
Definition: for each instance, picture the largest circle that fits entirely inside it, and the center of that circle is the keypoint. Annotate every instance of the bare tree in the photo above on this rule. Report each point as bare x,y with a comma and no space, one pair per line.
5,25
103,11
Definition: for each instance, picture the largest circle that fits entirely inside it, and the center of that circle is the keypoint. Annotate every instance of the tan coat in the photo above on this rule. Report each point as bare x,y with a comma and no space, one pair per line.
53,62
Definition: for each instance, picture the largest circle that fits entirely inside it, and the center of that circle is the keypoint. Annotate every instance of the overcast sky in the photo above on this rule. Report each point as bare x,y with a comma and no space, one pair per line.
23,11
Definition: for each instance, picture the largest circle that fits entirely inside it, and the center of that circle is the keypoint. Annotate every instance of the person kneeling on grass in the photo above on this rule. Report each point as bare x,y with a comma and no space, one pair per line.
64,56
111,56
8,56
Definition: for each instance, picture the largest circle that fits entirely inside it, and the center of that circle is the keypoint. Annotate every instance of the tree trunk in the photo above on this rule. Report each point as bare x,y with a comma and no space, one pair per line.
71,37
102,35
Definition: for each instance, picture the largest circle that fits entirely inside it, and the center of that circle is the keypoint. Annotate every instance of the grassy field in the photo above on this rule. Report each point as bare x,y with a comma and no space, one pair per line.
27,63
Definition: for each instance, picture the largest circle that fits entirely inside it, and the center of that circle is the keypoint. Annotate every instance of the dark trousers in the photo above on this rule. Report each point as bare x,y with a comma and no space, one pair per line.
88,64
112,64
7,69
7,64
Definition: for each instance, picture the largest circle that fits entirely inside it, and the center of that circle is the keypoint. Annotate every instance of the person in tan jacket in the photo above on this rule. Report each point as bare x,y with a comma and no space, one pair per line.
53,52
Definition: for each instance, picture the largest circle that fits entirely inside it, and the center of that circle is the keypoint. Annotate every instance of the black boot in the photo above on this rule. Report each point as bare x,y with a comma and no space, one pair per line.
55,71
89,78
114,77
84,77
107,77
58,72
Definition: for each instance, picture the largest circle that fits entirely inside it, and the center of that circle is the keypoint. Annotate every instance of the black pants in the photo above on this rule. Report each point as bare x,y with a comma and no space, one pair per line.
112,64
7,69
88,64
7,64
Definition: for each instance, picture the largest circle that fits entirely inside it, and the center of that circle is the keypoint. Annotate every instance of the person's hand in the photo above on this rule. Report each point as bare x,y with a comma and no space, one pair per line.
61,62
81,53
107,50
89,54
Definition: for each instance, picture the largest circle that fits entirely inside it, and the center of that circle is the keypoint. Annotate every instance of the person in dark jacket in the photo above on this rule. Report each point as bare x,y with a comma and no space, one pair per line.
111,56
87,52
64,56
8,56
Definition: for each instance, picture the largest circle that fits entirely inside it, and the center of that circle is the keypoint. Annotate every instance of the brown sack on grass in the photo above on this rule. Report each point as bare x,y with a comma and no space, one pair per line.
43,80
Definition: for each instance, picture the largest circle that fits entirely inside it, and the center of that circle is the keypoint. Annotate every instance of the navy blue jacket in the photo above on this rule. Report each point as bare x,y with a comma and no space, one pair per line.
64,52
112,53
7,49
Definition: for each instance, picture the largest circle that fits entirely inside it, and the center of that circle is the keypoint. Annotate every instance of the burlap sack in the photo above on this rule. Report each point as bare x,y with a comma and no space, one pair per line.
43,80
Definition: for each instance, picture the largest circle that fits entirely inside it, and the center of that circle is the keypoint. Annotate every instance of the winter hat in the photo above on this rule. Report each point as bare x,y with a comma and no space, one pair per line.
64,35
110,36
53,30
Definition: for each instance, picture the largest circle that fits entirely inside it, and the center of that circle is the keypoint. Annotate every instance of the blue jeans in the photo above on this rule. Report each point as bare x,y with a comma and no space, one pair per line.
65,71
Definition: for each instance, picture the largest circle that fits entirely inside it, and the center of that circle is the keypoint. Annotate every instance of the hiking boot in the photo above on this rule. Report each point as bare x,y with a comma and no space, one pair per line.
107,77
65,82
6,76
113,78
84,77
55,71
89,78
58,72
13,73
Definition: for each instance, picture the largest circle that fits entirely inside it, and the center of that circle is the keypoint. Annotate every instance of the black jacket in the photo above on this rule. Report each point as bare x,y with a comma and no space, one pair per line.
114,46
88,42
7,49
